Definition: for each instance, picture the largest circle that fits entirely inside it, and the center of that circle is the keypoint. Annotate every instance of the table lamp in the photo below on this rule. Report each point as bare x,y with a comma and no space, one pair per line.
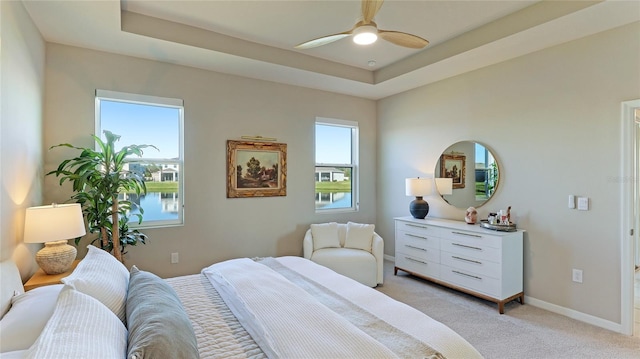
444,186
53,225
418,187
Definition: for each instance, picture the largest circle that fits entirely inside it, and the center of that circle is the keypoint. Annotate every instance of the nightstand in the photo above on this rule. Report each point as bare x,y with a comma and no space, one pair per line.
40,278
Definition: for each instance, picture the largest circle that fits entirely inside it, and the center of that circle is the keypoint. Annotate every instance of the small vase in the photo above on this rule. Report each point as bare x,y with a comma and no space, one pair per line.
471,217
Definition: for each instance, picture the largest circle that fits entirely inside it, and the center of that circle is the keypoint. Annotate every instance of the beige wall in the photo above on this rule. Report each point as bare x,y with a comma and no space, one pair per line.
552,119
218,107
22,81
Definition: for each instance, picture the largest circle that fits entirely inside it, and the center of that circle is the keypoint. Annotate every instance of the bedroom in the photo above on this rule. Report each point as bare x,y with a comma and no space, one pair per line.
567,98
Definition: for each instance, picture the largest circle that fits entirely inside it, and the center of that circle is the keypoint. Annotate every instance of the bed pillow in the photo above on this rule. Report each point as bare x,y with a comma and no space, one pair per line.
158,325
359,236
80,327
29,313
103,277
325,235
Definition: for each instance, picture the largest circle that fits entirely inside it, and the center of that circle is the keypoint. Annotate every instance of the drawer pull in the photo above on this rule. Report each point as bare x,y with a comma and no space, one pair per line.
416,225
414,247
467,234
467,275
465,246
414,236
415,260
466,260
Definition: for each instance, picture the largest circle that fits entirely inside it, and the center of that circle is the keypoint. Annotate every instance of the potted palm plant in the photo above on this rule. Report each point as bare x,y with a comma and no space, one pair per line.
98,177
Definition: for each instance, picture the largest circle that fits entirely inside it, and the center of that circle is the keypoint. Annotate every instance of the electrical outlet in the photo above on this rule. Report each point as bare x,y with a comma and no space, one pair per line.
174,258
577,275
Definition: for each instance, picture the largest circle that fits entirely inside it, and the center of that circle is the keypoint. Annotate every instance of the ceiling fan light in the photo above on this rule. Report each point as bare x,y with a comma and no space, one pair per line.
365,35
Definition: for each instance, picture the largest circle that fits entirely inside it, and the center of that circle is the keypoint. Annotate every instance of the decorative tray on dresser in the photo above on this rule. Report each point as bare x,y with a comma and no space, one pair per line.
482,262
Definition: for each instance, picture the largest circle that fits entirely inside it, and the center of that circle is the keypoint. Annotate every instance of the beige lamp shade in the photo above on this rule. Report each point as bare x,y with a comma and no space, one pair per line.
54,225
418,187
444,185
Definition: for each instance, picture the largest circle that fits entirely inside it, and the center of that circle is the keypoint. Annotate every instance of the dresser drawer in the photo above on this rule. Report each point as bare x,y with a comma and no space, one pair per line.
418,228
418,240
471,249
471,265
417,265
418,250
476,282
472,238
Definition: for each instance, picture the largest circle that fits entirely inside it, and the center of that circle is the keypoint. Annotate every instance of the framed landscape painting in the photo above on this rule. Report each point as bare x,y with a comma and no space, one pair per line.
453,166
256,169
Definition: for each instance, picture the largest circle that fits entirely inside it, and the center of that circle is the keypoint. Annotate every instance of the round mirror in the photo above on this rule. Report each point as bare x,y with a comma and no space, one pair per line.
467,174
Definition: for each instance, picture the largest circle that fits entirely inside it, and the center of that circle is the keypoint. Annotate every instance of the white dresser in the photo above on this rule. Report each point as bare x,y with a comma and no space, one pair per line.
468,258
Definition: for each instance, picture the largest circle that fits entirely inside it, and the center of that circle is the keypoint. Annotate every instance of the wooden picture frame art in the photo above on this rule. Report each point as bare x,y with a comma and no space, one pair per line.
256,169
453,166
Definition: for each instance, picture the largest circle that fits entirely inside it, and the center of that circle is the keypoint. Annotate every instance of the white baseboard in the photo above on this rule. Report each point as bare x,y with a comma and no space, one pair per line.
574,314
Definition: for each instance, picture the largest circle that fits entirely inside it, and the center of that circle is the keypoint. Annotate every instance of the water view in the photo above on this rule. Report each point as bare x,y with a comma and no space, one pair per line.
158,206
333,200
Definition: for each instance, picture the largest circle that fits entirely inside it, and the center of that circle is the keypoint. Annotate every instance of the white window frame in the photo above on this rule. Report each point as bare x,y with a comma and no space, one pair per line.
355,173
153,101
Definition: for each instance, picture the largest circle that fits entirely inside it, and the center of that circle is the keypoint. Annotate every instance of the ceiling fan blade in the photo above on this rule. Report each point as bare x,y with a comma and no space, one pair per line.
369,9
322,40
403,39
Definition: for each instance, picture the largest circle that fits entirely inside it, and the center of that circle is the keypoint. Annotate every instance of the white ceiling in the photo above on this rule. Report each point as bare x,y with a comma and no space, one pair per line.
256,38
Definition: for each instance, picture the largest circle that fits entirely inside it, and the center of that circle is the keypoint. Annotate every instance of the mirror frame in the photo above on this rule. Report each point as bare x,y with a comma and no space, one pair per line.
459,159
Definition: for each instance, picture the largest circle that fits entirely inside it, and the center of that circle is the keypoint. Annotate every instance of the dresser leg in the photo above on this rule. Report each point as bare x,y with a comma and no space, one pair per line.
501,307
522,298
395,270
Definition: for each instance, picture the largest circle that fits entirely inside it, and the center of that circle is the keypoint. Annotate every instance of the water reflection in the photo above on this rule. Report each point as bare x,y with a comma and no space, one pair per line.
156,205
332,200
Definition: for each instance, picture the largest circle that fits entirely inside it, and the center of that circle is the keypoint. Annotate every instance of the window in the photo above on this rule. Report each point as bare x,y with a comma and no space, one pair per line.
486,173
149,120
336,171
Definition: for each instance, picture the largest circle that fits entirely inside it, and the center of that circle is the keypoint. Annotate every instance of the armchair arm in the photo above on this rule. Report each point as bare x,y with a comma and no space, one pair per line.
377,249
307,245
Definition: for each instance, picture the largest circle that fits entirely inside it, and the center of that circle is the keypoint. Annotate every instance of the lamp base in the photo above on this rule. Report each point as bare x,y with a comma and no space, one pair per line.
56,257
419,208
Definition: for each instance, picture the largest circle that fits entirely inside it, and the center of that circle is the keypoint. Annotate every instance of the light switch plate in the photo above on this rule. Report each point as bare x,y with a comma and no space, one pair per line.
572,201
583,203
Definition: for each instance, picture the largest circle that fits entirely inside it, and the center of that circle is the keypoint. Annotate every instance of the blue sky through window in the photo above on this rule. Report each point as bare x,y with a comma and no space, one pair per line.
142,124
333,144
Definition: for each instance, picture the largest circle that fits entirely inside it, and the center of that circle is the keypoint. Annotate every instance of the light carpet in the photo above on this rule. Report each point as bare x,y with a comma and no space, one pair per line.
522,332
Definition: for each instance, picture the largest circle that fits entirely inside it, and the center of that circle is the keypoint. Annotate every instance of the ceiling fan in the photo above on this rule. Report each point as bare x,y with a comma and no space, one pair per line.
366,32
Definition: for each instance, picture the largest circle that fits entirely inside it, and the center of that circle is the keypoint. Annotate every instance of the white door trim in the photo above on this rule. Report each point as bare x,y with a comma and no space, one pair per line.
628,182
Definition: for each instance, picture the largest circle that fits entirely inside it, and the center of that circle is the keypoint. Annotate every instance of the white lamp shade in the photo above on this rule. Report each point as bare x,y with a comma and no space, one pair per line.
444,185
418,187
53,223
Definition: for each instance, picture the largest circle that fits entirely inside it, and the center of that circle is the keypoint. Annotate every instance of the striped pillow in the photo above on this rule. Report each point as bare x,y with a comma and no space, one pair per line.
80,327
103,277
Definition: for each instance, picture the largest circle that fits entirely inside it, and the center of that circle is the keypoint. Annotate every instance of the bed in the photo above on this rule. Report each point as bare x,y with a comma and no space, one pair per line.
284,307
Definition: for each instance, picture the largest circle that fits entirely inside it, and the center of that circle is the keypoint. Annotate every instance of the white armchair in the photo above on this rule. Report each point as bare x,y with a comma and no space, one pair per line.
351,249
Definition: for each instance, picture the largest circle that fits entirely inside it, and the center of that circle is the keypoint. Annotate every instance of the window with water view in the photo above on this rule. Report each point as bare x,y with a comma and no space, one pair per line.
336,170
148,120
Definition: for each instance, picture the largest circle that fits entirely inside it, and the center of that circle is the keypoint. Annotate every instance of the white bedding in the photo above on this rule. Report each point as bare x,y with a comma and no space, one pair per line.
214,341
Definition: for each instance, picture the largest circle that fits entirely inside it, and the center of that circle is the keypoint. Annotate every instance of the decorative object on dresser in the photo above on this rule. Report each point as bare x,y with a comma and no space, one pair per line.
471,216
471,259
53,225
418,187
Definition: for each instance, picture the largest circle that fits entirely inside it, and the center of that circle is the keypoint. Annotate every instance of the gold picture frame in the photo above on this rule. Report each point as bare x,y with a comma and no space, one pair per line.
453,166
256,169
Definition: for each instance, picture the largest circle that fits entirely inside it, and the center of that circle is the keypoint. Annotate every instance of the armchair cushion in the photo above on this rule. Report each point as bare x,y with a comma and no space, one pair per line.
325,235
359,236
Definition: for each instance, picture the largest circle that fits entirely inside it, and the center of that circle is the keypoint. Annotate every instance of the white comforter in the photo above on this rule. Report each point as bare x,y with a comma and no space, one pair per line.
265,303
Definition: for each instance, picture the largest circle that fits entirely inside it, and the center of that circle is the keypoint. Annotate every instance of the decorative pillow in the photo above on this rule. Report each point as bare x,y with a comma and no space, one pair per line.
158,325
103,277
80,327
325,235
29,313
359,236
